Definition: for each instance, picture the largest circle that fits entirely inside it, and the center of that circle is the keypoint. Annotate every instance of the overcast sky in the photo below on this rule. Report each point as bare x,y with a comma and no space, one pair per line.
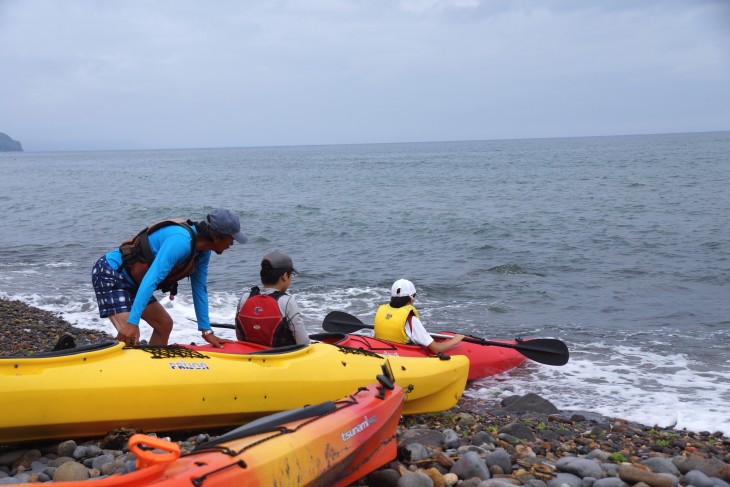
87,75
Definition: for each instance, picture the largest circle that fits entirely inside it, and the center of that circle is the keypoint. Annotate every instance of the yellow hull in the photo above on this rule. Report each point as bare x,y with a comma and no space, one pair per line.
170,388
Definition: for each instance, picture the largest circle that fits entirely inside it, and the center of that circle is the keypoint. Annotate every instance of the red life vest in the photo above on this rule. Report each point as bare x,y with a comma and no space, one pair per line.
260,320
137,256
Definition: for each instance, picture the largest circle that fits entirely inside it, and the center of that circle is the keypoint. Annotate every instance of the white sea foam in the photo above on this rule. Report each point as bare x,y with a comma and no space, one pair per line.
35,264
83,312
631,383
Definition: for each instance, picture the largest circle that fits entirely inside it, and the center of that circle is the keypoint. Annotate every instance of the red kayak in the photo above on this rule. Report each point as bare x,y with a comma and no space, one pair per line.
333,444
486,357
484,360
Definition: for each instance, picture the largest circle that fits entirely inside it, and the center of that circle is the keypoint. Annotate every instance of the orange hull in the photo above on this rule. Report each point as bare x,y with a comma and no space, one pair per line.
333,443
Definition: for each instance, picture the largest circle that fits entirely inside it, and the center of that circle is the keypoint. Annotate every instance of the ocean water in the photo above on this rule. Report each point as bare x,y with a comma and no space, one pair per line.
619,246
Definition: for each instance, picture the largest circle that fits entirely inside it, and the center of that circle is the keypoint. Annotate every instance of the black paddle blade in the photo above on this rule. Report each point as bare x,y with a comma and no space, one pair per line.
66,342
341,322
548,351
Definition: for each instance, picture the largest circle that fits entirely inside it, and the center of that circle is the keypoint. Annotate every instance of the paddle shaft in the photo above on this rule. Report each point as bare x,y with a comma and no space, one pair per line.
223,325
218,325
546,351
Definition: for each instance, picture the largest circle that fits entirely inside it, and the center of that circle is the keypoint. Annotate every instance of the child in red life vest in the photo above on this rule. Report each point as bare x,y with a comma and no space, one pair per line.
270,316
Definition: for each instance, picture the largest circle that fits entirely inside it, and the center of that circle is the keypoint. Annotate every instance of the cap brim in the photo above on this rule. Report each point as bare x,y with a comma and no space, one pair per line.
240,237
295,271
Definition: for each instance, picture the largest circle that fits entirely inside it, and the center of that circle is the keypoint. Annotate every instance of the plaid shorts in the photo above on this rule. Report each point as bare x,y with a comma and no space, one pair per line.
114,293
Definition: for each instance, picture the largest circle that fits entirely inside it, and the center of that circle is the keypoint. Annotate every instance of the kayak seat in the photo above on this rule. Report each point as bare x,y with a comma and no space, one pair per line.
275,350
271,423
328,337
76,350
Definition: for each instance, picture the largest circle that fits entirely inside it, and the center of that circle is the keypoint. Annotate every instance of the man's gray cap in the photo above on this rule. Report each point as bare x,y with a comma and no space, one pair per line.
226,222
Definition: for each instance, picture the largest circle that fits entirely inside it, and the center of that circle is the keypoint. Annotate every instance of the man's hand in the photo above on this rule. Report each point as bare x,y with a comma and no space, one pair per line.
128,334
214,340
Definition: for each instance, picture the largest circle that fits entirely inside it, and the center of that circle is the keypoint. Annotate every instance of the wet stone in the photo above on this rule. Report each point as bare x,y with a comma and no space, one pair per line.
450,439
415,479
499,458
470,465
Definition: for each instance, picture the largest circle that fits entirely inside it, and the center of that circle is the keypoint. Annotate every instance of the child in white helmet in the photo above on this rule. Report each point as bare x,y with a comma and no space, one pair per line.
399,321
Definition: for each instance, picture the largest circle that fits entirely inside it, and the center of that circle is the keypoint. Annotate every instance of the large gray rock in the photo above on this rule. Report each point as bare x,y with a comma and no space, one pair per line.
70,471
699,479
499,458
481,438
518,430
101,460
563,478
450,439
57,462
466,419
581,467
610,482
79,452
471,465
598,455
423,436
661,465
416,452
415,479
529,403
711,467
67,448
384,478
8,458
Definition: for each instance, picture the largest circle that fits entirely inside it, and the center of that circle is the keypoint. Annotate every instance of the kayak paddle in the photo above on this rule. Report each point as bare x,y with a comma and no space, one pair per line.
223,325
218,325
547,351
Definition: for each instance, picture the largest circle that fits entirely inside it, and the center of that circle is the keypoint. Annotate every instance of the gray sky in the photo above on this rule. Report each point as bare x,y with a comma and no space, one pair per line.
86,75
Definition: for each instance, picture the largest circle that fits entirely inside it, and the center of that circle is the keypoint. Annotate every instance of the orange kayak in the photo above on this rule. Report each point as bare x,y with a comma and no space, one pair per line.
332,443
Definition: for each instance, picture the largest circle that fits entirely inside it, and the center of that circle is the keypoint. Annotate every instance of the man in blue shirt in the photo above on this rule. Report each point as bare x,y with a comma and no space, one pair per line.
157,258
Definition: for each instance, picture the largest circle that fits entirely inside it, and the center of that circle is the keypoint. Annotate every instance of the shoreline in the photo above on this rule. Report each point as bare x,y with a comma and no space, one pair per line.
521,441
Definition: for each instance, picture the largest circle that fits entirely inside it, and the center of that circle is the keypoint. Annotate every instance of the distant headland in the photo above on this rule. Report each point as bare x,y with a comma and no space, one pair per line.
7,144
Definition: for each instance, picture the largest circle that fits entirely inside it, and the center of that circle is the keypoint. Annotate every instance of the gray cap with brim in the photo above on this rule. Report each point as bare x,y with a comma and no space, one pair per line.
279,260
226,222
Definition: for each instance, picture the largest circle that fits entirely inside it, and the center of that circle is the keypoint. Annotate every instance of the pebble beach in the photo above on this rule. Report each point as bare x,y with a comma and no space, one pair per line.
520,440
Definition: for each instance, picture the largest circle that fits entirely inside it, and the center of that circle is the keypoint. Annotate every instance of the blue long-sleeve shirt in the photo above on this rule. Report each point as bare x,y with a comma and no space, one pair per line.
171,246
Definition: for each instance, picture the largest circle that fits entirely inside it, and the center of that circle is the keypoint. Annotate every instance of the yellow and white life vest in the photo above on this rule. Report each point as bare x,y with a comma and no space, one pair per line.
390,322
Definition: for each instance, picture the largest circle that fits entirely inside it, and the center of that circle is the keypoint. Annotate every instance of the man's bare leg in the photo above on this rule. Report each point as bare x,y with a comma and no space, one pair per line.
160,321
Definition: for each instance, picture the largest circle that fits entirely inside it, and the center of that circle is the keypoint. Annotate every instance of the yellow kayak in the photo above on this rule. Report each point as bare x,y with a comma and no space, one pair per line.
91,390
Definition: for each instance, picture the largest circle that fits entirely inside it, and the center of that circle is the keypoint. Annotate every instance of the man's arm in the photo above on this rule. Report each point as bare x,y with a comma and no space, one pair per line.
199,283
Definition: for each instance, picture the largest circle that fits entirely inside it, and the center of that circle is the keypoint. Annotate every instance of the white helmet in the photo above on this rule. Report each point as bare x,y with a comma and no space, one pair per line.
403,287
